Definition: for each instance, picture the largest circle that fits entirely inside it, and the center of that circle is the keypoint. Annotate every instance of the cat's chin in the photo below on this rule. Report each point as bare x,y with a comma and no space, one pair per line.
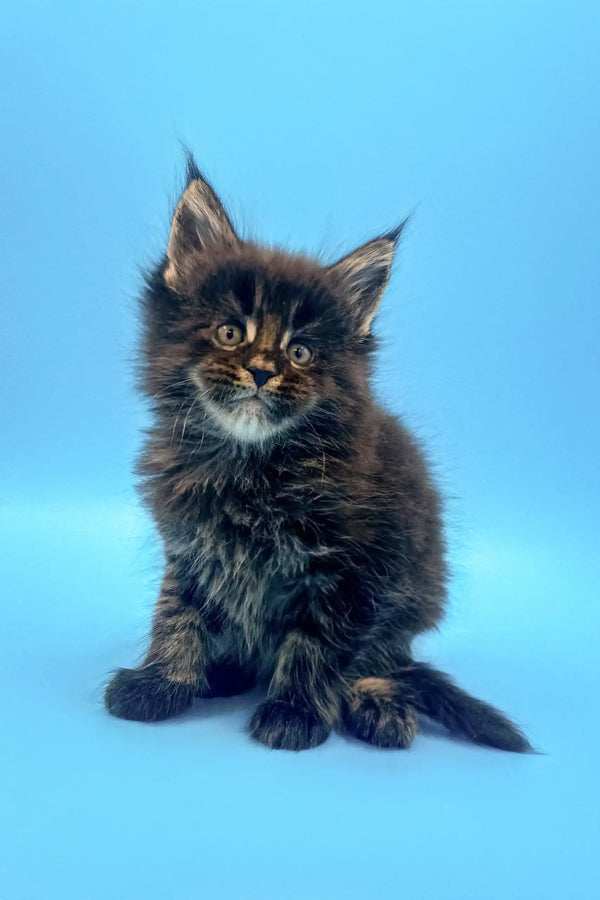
249,421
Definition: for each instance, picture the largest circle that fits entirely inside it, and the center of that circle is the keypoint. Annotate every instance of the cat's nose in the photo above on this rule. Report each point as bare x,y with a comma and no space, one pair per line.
261,376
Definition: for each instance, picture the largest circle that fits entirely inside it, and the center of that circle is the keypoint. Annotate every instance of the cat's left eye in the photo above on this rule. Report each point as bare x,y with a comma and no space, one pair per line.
299,353
230,334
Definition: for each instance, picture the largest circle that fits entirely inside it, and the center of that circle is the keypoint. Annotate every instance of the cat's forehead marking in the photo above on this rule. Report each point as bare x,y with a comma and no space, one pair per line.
258,295
269,329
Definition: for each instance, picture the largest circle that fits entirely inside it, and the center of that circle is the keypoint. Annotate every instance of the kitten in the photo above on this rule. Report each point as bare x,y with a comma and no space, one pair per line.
302,532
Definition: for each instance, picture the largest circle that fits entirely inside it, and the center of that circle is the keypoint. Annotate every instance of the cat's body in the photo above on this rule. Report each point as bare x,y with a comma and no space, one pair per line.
265,519
302,533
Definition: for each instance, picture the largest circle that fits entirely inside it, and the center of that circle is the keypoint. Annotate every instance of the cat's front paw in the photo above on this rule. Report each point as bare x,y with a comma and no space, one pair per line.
282,726
145,695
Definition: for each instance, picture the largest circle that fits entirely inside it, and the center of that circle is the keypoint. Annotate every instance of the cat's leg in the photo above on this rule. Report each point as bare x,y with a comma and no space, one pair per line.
302,705
305,690
175,668
378,710
378,705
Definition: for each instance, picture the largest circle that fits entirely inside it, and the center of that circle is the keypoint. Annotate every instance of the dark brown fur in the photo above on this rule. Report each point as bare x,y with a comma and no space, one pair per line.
302,531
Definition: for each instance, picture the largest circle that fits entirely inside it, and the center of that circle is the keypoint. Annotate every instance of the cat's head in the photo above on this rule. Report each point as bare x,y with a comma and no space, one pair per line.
258,338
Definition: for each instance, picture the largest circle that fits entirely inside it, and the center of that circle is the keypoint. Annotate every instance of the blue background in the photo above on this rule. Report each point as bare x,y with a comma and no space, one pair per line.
321,124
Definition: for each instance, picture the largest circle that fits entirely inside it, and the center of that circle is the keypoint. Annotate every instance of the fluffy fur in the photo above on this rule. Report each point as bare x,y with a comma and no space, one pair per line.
302,532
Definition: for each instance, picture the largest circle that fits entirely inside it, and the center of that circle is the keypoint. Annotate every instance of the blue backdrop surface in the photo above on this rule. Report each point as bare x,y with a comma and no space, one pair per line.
321,124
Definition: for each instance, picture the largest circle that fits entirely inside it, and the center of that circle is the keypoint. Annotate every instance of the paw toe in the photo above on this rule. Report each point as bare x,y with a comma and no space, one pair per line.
282,726
382,724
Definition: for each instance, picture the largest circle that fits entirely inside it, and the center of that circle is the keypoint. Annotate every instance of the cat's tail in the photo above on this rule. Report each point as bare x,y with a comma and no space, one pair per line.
435,694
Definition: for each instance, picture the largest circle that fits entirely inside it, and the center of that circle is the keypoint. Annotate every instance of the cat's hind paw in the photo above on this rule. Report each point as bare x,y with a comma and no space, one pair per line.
375,713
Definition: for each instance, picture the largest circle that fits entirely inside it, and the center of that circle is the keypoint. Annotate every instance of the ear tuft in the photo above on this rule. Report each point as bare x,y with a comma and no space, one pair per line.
192,172
200,225
362,276
394,234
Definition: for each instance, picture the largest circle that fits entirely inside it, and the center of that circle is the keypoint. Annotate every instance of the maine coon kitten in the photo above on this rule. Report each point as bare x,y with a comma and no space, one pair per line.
302,532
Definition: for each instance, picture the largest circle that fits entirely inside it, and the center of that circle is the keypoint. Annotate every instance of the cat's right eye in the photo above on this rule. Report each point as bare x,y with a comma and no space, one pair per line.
230,334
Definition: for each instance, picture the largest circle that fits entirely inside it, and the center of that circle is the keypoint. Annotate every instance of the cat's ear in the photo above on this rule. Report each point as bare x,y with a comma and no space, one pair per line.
362,276
200,225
